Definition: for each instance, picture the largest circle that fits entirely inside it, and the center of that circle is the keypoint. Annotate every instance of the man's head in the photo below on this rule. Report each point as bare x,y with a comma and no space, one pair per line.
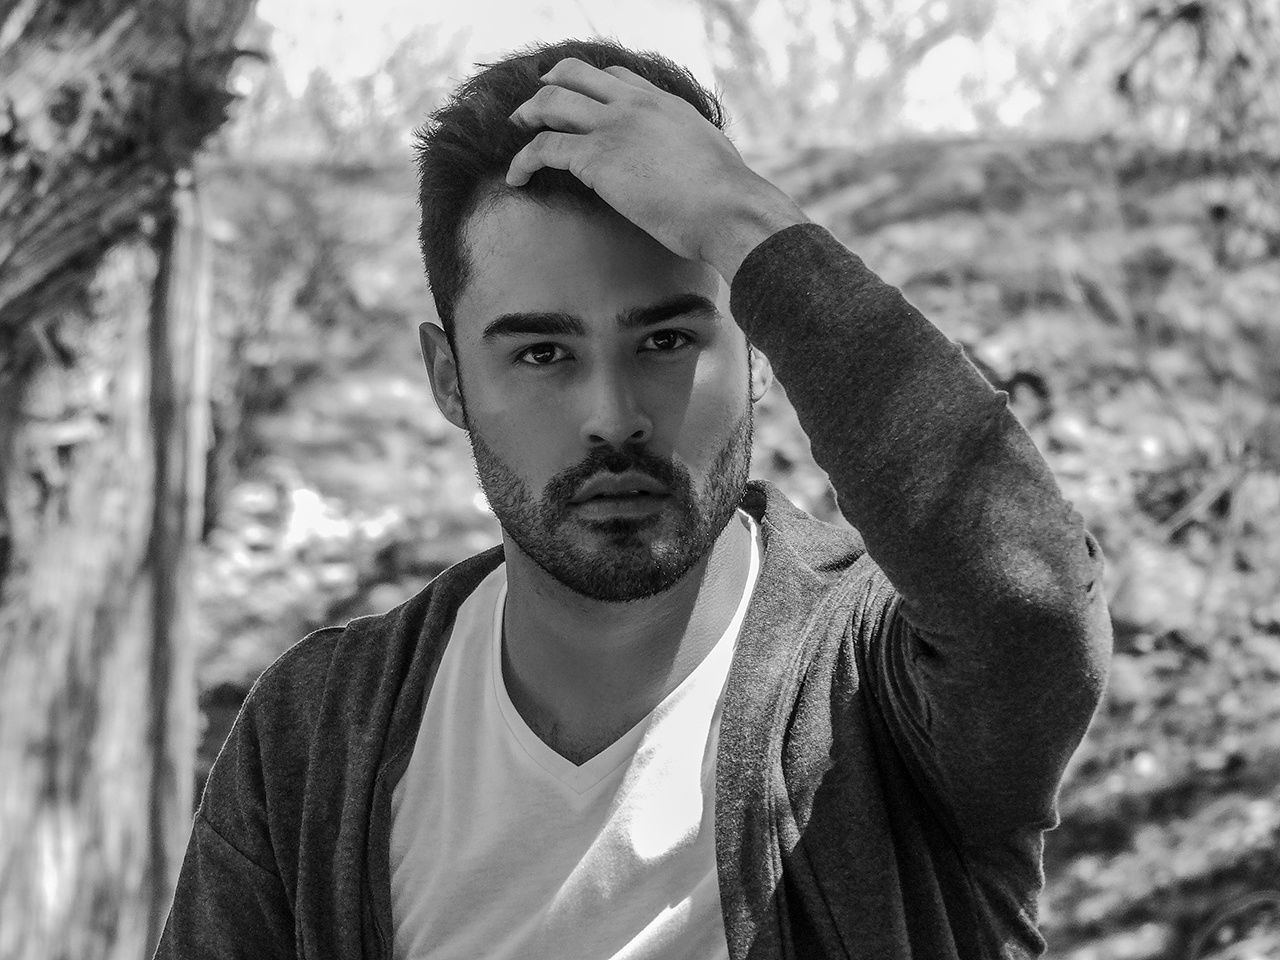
464,149
608,392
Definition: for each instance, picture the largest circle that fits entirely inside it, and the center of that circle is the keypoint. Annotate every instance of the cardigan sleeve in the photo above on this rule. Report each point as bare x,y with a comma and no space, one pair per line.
236,891
227,905
991,638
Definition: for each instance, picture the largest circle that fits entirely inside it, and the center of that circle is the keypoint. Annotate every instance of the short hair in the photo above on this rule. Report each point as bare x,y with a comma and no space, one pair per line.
465,147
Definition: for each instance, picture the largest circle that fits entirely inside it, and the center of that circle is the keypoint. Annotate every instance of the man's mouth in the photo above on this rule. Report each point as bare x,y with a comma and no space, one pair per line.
620,488
621,503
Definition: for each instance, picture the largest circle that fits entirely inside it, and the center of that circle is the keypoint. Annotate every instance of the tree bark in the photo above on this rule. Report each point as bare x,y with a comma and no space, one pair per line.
102,441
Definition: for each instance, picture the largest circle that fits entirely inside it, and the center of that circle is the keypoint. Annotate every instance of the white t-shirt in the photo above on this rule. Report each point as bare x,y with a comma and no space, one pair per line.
503,849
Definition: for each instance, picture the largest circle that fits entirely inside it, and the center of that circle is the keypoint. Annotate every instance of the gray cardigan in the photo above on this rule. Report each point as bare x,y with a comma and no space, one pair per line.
902,702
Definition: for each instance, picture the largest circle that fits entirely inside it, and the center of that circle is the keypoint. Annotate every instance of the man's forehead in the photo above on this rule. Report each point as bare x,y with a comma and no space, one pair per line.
493,204
502,215
527,254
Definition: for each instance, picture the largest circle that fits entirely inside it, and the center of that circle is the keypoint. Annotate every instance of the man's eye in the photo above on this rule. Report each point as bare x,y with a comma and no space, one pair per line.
666,340
541,354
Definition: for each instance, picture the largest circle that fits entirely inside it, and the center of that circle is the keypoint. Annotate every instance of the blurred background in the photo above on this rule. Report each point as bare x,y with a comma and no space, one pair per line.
216,434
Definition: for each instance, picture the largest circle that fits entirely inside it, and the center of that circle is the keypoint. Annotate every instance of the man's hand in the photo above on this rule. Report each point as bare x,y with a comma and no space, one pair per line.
655,159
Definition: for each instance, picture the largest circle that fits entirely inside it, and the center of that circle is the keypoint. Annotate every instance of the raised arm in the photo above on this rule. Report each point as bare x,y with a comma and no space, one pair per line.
989,643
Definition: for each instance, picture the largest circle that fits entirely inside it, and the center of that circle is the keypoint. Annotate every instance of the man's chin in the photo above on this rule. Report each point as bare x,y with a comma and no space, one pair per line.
621,581
642,529
618,560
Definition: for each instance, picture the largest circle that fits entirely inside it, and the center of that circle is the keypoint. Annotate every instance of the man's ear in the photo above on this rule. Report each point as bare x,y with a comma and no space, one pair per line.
761,373
442,369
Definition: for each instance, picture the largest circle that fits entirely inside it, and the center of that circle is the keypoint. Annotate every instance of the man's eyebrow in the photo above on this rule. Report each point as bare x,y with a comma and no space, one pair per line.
677,306
559,324
541,324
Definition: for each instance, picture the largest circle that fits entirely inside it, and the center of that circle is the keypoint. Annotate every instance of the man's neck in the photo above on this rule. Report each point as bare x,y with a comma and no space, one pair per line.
582,672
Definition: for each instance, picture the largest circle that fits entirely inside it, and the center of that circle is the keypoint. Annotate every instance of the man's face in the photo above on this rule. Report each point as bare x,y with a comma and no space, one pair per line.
606,396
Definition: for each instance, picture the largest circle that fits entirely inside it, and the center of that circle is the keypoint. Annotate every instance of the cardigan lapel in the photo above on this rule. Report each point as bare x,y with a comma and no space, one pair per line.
784,619
418,633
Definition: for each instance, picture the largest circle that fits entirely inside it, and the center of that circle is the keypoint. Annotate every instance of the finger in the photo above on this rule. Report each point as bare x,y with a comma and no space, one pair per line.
631,78
580,76
561,109
550,148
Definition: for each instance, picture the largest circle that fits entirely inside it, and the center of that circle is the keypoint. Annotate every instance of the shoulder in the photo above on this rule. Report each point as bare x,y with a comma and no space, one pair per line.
300,669
338,683
346,668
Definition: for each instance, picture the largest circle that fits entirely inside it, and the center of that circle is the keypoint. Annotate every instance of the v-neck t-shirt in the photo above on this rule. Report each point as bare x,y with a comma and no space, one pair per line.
501,848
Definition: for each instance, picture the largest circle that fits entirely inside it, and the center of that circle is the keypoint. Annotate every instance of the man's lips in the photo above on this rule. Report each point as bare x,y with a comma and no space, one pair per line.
620,488
643,500
621,505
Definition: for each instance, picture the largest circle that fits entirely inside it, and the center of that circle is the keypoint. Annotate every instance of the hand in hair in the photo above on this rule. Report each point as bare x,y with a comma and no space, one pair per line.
653,158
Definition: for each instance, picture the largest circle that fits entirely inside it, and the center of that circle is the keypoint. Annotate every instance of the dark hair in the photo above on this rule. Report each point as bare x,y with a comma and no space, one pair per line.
468,143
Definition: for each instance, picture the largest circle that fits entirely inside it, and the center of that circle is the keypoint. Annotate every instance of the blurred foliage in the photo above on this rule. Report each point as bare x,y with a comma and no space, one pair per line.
1203,77
362,119
1202,73
866,72
800,70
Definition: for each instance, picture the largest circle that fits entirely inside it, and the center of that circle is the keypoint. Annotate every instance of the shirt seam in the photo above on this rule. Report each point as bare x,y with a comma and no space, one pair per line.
202,817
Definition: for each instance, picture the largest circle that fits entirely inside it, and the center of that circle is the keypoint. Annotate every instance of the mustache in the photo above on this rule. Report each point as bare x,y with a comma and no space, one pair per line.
668,473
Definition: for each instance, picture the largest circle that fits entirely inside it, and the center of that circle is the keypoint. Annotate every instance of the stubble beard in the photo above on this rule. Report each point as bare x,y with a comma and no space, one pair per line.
624,558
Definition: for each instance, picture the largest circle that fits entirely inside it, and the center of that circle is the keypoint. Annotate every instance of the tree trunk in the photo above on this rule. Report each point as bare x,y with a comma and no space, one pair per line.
102,443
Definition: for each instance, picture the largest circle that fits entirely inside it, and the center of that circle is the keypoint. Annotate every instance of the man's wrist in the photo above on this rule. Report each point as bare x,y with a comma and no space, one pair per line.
752,220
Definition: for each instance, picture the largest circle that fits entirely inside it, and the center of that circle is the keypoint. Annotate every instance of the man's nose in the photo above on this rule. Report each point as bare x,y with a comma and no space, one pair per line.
615,416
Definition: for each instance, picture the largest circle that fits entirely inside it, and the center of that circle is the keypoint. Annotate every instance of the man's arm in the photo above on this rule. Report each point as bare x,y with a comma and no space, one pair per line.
991,654
226,905
992,661
230,902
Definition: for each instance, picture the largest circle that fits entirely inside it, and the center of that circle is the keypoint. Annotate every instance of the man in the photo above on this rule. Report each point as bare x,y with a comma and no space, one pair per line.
671,715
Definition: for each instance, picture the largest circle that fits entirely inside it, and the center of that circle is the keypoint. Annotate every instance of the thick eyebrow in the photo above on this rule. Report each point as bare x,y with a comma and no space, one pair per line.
677,306
556,324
